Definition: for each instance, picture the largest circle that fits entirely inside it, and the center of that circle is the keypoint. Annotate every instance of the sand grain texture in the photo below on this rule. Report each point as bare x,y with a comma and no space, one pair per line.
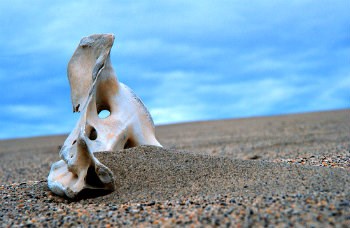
286,170
152,173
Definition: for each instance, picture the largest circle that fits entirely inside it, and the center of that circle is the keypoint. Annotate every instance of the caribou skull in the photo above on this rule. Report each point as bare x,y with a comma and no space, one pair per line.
94,90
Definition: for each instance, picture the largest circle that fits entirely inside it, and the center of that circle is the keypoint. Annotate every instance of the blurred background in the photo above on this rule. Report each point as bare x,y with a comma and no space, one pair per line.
187,60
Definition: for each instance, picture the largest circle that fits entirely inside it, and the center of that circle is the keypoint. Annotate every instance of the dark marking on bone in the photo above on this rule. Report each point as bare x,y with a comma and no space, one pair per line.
76,108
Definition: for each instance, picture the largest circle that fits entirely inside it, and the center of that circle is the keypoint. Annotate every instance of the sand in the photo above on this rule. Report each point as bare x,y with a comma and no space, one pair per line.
289,170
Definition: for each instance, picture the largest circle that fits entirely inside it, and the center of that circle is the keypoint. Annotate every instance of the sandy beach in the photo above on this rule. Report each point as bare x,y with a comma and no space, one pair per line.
290,170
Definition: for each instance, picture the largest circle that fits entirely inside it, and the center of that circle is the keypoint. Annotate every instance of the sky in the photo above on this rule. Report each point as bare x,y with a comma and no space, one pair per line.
186,60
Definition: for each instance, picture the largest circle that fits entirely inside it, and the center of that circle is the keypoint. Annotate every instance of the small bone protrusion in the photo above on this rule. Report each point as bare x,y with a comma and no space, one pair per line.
94,88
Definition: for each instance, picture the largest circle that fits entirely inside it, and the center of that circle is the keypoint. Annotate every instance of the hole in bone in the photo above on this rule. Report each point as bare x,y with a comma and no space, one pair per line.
102,107
91,132
103,100
74,142
92,178
103,114
129,144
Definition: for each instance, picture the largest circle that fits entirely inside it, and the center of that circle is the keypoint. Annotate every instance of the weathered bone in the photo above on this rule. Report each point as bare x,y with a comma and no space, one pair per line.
94,88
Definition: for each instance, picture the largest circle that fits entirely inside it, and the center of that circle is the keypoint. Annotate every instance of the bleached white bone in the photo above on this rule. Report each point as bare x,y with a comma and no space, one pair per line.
95,89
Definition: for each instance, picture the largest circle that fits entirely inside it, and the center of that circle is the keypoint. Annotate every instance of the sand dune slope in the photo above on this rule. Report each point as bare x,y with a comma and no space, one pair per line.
152,173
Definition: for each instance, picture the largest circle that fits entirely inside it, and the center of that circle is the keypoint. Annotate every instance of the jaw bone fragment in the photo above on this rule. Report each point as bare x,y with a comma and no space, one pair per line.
95,89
